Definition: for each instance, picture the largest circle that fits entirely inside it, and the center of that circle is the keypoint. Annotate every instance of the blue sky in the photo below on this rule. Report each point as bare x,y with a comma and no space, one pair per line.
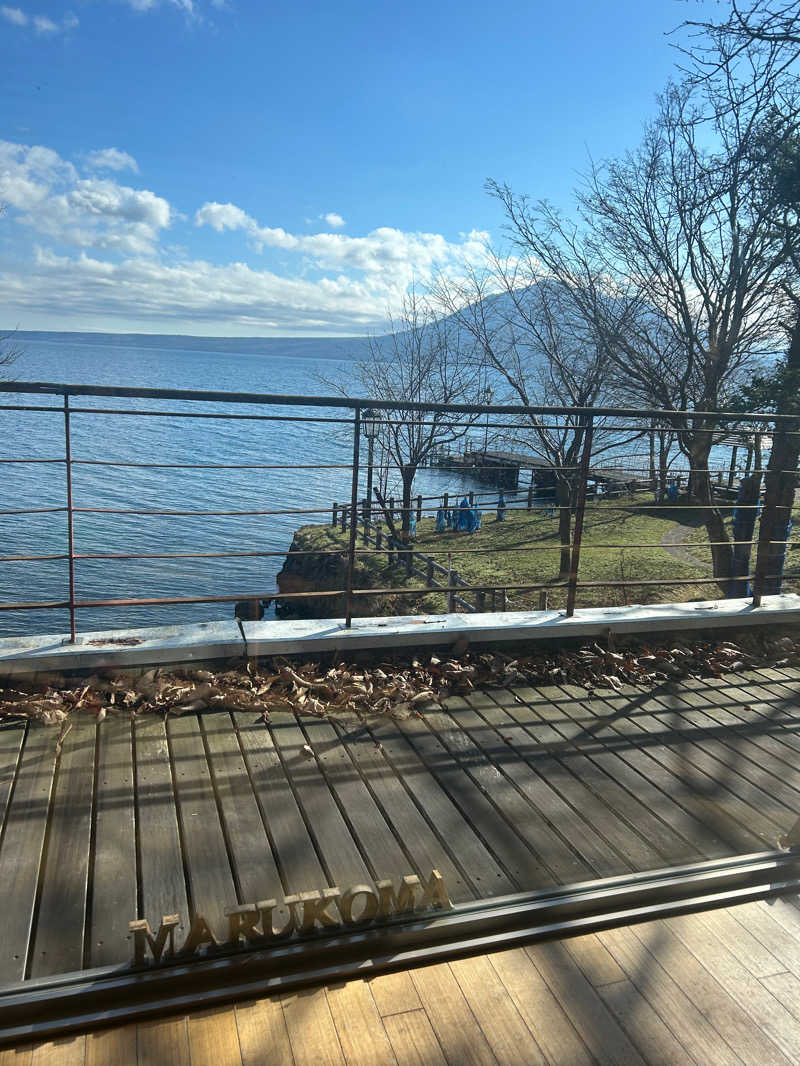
227,167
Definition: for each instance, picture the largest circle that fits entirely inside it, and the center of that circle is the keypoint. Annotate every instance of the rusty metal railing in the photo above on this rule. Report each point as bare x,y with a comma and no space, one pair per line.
506,419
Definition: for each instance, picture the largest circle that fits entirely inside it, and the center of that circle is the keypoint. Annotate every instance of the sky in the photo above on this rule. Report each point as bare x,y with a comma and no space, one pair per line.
248,168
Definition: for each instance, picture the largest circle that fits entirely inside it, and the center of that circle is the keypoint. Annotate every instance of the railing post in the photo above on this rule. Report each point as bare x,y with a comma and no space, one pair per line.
70,519
451,580
351,553
419,508
335,509
572,586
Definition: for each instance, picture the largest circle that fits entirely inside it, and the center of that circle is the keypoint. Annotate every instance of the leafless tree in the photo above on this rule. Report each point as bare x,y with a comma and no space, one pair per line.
683,230
537,335
423,359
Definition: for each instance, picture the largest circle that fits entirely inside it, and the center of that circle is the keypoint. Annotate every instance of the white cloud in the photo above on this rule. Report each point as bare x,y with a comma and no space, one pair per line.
96,256
112,159
88,212
14,15
385,252
43,24
334,221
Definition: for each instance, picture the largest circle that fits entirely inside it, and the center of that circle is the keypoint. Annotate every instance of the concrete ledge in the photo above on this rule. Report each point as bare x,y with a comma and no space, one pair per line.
207,641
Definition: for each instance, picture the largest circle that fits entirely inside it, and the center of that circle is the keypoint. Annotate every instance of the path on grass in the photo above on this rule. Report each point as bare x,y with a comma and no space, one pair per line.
672,543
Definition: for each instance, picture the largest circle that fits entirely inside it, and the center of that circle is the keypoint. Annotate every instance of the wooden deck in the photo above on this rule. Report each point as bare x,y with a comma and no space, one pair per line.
506,790
712,989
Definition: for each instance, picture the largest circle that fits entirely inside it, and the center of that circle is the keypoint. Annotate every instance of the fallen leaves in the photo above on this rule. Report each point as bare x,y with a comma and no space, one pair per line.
397,689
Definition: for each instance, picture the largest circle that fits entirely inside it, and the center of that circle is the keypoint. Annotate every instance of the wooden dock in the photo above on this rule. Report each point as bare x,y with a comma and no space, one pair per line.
505,790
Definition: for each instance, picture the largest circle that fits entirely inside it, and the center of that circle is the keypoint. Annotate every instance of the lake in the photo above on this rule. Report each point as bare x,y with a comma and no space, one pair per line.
287,366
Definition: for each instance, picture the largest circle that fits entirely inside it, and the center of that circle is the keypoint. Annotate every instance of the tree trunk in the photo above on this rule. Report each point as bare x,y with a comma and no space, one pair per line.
702,492
563,497
663,456
780,482
408,473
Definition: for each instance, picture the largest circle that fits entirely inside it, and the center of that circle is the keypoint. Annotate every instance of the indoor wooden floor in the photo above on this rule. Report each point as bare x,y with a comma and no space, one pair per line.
502,791
721,987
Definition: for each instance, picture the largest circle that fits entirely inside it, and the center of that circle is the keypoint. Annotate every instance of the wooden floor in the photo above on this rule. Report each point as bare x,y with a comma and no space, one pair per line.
716,988
505,790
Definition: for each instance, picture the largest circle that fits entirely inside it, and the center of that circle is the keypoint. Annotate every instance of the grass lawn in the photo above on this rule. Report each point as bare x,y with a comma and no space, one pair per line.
525,550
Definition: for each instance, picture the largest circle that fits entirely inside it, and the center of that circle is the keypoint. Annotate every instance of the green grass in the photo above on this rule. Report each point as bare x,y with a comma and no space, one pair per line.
525,550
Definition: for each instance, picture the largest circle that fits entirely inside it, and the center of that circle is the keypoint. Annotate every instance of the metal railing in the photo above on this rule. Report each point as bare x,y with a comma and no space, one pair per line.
338,416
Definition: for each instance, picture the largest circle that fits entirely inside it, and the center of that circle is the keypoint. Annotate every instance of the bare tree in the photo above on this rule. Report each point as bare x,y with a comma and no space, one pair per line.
544,349
422,360
686,237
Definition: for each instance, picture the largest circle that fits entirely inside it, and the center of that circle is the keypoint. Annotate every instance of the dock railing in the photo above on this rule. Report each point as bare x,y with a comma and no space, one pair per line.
128,407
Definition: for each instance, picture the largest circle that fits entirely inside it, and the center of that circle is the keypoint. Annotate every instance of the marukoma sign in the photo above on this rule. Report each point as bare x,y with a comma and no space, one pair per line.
253,924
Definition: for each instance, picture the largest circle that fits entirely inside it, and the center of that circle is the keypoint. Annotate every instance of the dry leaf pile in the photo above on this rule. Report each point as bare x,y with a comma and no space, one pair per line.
397,688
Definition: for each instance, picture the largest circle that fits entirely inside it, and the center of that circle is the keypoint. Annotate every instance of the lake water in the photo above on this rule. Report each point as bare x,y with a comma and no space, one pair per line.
274,366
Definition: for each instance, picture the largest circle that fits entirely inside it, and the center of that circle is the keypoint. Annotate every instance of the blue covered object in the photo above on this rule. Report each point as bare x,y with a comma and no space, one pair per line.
441,520
475,523
501,508
464,510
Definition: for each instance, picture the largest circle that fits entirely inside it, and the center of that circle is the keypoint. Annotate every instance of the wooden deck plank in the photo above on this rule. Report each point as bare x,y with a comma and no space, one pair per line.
510,792
312,1034
114,898
769,1017
647,966
452,1021
16,1056
413,1039
263,1037
693,838
254,867
206,856
708,823
510,1039
341,855
12,736
696,772
361,1034
161,874
598,1028
544,786
21,848
512,853
760,922
377,843
741,759
644,807
112,1047
594,958
581,782
214,1038
294,849
58,936
394,993
159,1043
426,849
715,1001
749,950
64,1051
540,1009
646,1029
450,824
785,987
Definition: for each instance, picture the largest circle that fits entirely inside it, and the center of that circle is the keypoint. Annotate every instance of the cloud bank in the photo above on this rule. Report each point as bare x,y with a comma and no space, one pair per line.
92,251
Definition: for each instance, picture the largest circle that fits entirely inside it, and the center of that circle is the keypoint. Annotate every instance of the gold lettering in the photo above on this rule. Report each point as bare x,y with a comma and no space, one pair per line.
402,902
265,909
435,893
315,908
242,922
369,910
143,937
200,933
